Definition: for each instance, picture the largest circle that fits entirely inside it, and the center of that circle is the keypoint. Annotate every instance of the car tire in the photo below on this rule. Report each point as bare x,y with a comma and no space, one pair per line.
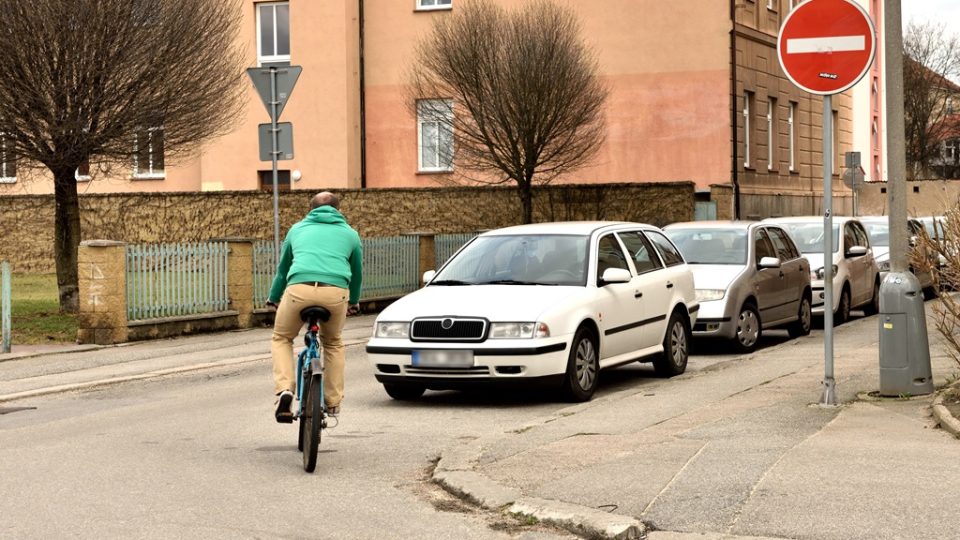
803,324
404,391
749,329
873,306
583,367
842,314
676,347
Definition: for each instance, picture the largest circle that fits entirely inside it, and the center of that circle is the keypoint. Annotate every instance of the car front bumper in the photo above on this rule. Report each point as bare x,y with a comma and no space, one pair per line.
715,320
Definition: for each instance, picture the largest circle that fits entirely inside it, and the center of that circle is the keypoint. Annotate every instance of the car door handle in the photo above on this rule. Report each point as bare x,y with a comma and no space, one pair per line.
637,294
669,285
781,274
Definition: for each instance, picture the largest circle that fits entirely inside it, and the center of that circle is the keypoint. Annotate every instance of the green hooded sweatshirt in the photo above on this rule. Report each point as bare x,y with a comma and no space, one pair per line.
321,247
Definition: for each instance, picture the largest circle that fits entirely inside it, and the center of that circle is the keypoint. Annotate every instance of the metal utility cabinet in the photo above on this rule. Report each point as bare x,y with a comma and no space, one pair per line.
904,349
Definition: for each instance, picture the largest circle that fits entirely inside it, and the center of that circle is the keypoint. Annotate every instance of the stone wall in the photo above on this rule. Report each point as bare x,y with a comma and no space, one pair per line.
924,197
27,220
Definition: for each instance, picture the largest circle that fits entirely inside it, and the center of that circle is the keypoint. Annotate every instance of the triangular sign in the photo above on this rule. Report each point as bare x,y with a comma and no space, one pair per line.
286,77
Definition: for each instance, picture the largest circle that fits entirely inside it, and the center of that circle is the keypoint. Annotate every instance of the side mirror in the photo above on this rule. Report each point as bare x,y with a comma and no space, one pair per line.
856,251
769,262
615,275
428,276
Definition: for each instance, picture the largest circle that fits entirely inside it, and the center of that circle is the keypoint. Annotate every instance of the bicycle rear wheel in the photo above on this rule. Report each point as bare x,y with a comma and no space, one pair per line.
311,422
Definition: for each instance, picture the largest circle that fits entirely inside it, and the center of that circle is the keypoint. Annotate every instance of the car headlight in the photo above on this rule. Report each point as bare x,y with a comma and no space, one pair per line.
392,330
819,274
709,295
518,330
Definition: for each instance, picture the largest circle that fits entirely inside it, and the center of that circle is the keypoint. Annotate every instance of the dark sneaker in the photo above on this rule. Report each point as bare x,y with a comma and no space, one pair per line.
283,414
333,411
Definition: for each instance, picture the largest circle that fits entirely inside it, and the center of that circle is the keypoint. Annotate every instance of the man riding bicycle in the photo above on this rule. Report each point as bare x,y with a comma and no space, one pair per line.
321,264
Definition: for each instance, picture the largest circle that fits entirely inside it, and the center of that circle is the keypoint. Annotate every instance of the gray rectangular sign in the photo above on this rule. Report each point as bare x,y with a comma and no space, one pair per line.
284,141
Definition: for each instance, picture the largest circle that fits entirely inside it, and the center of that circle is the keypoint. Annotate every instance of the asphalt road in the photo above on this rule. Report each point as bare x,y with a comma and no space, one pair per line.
199,455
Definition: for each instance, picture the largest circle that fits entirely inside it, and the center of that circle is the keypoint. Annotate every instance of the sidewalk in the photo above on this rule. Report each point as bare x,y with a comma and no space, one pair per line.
33,371
740,451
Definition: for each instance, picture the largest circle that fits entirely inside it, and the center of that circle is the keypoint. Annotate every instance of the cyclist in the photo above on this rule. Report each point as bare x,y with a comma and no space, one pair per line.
321,264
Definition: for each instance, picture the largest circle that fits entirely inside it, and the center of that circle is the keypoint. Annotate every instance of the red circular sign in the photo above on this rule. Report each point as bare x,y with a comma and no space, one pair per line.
826,46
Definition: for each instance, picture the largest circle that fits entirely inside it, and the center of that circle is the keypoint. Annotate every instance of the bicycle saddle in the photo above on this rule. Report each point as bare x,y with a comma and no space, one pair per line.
314,313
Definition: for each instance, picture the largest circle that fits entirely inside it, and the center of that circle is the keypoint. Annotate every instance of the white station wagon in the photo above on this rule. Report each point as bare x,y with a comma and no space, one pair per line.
552,303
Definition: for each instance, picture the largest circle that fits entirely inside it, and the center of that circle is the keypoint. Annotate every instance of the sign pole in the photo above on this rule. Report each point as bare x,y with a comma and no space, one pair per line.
829,383
5,302
273,154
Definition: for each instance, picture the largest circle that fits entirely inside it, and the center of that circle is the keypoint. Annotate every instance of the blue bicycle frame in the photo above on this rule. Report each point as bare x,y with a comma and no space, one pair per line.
306,364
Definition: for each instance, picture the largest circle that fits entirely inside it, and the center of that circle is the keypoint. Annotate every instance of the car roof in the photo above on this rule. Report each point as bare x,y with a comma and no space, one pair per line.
719,224
583,228
808,219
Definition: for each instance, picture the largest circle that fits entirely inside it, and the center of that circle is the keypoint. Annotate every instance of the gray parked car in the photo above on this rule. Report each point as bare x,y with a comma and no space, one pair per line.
748,276
878,227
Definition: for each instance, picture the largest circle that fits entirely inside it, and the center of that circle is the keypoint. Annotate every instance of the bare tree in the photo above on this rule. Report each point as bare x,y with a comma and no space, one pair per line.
112,83
514,95
931,60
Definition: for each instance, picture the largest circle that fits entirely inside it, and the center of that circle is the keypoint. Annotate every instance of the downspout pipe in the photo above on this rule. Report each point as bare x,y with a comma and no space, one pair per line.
363,105
733,109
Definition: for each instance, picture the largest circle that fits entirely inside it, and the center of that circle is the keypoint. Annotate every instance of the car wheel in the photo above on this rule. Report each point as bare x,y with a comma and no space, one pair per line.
873,307
842,314
583,367
748,329
676,348
801,327
404,391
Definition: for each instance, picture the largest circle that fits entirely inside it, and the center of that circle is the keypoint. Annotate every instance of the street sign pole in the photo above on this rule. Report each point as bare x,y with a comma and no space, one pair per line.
274,151
829,383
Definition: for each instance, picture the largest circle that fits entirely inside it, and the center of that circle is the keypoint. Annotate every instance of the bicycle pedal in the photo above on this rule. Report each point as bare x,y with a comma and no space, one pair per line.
285,418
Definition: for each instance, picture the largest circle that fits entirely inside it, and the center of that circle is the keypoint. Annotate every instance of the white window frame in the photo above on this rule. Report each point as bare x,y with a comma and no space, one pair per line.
274,58
747,128
434,5
771,138
445,123
951,147
82,177
792,122
151,173
4,179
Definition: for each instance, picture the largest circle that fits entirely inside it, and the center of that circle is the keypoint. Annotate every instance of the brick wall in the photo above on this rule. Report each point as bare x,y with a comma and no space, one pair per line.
27,220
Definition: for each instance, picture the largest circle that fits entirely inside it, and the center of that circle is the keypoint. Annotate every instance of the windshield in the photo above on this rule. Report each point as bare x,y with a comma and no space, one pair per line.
879,233
548,259
809,236
711,246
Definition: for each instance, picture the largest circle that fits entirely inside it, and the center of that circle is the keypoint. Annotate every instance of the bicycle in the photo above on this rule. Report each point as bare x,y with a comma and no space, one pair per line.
311,412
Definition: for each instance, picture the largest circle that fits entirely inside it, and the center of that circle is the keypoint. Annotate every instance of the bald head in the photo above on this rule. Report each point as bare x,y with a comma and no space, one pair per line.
325,198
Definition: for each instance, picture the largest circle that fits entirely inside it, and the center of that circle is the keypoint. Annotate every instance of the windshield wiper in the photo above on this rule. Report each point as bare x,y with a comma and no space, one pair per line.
513,282
450,282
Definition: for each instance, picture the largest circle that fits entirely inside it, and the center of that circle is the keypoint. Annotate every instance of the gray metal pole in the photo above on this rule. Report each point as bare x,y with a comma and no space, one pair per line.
273,154
6,303
829,384
896,147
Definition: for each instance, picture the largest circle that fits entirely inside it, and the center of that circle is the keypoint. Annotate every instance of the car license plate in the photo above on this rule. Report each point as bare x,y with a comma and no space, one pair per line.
443,359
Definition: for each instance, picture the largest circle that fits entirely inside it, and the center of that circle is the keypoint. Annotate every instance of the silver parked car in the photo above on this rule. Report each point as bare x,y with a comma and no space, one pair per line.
878,227
748,276
856,278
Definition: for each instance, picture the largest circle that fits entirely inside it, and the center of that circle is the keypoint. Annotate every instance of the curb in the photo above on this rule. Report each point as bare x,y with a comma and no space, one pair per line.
943,416
11,356
455,473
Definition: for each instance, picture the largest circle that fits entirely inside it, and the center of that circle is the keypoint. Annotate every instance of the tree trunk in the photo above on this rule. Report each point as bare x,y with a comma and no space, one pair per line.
526,201
66,241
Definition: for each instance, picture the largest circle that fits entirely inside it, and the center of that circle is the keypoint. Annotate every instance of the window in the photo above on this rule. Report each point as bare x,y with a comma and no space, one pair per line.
762,246
609,255
786,251
8,162
273,33
638,247
433,4
771,134
951,151
747,128
875,131
82,174
148,153
668,252
792,123
266,180
435,135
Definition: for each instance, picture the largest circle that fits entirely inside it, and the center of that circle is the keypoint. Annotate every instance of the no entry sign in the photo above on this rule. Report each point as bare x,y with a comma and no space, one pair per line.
826,46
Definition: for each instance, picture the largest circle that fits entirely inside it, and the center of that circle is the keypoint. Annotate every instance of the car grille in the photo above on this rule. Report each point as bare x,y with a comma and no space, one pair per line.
476,371
449,329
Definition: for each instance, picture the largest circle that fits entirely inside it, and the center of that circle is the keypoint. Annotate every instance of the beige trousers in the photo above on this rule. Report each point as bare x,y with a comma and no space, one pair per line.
287,325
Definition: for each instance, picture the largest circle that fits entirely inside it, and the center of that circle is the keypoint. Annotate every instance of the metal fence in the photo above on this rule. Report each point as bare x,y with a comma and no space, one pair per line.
264,268
390,266
169,280
445,245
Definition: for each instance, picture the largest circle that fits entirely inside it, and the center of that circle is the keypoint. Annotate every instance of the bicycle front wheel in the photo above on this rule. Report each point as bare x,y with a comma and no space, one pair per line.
312,421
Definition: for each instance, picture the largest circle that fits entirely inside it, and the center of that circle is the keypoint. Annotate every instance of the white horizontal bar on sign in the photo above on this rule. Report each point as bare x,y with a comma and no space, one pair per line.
826,44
